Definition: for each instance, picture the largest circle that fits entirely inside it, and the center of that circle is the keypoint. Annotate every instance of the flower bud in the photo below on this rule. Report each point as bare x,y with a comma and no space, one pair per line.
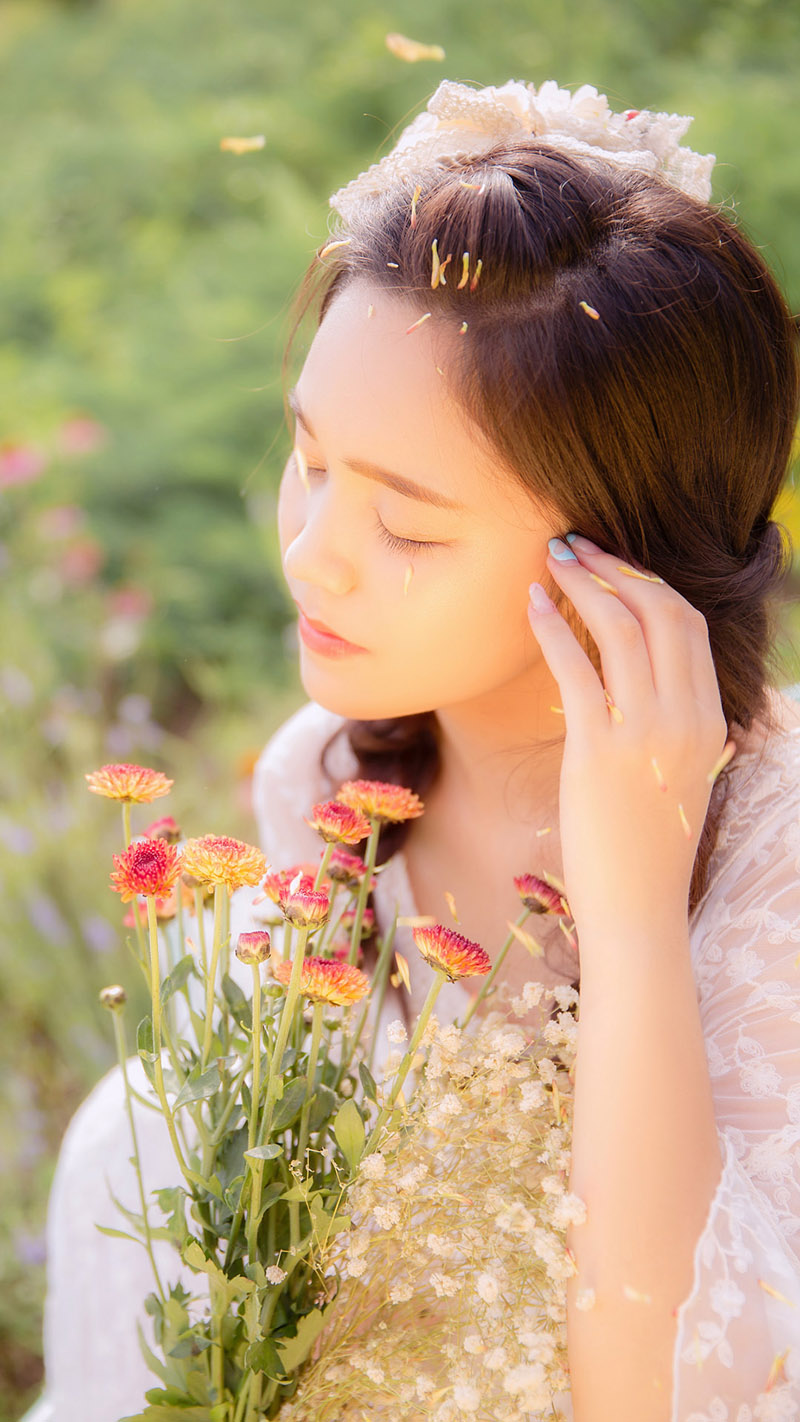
253,948
114,997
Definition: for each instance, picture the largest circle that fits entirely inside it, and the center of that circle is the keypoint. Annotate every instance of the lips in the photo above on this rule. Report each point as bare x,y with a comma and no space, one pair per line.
321,627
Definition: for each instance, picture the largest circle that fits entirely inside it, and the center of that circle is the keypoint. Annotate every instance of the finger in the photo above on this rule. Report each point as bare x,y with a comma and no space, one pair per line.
675,633
582,695
615,628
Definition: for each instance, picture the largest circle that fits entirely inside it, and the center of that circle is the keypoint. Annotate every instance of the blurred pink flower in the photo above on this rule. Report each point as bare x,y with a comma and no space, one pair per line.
81,561
81,435
132,603
20,464
60,521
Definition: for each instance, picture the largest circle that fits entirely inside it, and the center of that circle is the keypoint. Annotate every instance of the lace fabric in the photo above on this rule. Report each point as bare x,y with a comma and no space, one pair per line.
737,1345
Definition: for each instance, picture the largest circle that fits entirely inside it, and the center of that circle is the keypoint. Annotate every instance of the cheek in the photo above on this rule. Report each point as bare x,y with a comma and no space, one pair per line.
290,518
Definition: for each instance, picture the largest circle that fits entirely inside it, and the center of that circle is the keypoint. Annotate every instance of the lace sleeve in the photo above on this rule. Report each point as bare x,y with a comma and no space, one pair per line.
737,1356
288,780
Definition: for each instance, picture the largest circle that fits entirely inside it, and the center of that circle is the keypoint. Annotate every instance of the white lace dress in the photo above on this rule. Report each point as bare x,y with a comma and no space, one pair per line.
737,1342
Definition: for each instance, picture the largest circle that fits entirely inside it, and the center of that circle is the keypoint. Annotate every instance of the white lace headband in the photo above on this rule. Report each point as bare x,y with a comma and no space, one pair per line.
461,121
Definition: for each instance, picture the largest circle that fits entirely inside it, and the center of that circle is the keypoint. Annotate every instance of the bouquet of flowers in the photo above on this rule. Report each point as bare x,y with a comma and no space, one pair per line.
323,1212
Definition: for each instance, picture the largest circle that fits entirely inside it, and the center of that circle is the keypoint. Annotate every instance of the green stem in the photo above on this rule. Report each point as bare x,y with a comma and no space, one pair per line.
122,1053
363,890
219,890
155,998
252,1133
489,979
126,822
316,1037
199,911
290,1003
435,988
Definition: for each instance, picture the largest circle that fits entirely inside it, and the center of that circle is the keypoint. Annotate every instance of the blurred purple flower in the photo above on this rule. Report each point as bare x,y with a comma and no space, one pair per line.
16,686
46,918
31,1249
16,838
98,933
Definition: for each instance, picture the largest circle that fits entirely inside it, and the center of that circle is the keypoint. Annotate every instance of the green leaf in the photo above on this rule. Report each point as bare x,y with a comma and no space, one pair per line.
263,1357
144,1040
232,1288
294,1351
368,1082
348,1129
290,1106
198,1086
189,1345
322,1107
265,1152
238,1005
177,978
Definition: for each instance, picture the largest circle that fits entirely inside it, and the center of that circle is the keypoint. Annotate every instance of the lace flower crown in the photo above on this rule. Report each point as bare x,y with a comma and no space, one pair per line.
464,122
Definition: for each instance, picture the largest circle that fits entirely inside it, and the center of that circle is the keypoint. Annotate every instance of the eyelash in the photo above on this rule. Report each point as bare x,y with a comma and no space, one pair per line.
394,541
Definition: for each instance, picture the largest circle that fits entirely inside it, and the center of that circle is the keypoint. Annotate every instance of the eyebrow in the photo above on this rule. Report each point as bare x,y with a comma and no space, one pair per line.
398,482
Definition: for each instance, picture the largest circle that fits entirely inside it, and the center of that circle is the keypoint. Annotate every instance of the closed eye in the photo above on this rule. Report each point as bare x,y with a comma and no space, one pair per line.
393,540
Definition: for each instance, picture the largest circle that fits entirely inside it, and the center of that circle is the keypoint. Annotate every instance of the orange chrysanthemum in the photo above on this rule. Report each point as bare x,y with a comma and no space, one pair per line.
539,896
339,823
450,952
216,859
380,800
325,980
148,866
134,784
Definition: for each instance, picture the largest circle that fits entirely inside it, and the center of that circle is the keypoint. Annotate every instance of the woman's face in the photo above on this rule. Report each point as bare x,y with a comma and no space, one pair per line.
370,398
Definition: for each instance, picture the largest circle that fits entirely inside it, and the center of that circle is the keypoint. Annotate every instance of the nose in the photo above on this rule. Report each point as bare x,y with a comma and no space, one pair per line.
315,545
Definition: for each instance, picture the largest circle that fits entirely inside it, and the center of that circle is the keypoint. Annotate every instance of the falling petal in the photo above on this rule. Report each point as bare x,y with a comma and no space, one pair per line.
548,830
687,829
242,145
776,1372
464,271
396,265
411,50
662,784
401,964
569,935
590,311
439,369
728,753
558,710
302,467
415,324
535,949
601,582
634,1295
447,259
419,920
407,579
768,1289
435,264
464,327
331,247
476,278
477,186
634,573
451,904
370,312
616,714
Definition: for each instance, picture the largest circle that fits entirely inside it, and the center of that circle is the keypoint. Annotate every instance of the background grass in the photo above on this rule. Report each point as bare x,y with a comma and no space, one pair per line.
144,289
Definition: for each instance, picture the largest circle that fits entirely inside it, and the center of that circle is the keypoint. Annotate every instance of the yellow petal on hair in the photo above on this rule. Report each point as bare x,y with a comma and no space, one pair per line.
635,1295
554,881
414,201
535,949
332,246
396,265
407,579
402,971
415,324
420,920
439,369
464,268
477,276
558,710
242,145
548,830
464,328
662,784
370,311
451,904
601,582
464,184
773,1293
302,466
634,573
728,753
442,268
412,51
590,311
687,829
435,264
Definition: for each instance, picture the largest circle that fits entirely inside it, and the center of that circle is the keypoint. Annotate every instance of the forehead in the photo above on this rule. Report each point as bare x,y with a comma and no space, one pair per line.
374,390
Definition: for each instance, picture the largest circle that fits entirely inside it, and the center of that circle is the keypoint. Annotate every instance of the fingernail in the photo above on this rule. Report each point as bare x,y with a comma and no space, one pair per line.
583,545
560,551
540,602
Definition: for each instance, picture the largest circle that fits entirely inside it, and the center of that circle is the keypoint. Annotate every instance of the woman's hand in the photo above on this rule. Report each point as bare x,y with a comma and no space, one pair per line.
639,748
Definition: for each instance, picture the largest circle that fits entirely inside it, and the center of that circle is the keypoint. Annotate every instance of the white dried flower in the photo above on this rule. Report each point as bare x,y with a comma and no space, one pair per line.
423,1386
585,1299
396,1031
547,1070
391,1064
466,1397
375,1374
488,1288
524,1378
443,1285
569,1211
449,1105
386,1216
473,1343
552,1185
275,1275
400,1293
496,1359
565,995
354,1268
374,1167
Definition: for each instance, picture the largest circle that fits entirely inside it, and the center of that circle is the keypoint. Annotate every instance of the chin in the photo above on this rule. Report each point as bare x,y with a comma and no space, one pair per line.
359,703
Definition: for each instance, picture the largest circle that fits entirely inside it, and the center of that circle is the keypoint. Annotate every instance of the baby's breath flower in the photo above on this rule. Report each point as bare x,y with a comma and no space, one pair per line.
488,1288
466,1397
386,1216
374,1167
443,1285
565,995
354,1268
423,1386
496,1359
585,1299
396,1031
474,1344
569,1211
400,1293
375,1374
275,1275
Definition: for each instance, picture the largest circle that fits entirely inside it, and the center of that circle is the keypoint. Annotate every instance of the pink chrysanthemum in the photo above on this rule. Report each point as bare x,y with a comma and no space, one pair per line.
148,866
380,800
347,868
339,823
325,980
276,885
166,828
348,918
305,908
450,952
216,859
539,896
253,948
134,784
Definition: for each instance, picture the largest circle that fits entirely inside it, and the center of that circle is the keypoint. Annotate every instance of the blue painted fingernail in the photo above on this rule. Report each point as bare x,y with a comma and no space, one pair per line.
570,537
560,551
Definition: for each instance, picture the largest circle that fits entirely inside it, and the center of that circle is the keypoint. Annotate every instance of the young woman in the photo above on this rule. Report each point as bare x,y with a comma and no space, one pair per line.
540,432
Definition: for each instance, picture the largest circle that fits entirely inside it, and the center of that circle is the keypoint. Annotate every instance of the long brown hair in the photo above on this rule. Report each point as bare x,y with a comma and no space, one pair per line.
660,426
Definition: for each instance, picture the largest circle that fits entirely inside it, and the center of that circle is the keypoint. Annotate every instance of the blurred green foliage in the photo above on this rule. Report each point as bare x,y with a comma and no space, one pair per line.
145,287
